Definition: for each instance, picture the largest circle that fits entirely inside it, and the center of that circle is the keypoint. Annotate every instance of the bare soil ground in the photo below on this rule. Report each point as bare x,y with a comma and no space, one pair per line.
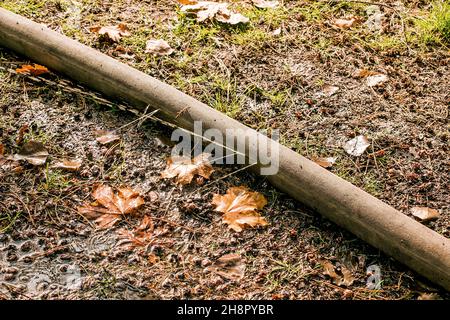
263,79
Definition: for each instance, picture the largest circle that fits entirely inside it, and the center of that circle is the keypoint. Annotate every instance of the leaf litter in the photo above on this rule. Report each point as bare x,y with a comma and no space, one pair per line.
218,11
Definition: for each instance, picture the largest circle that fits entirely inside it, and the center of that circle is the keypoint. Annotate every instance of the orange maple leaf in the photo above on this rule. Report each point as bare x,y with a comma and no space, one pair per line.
34,70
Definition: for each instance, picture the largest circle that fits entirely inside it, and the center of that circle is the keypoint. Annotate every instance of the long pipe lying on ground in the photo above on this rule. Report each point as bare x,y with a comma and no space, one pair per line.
372,220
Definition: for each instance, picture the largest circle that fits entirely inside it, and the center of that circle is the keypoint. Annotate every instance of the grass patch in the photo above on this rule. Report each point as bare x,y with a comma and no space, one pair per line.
434,29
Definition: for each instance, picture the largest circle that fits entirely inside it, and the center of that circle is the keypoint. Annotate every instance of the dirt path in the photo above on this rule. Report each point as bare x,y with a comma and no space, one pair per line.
266,81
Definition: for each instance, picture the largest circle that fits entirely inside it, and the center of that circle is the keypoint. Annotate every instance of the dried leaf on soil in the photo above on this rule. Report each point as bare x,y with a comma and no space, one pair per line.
158,47
362,73
140,236
329,90
345,278
377,79
71,165
325,162
33,152
345,23
113,33
207,10
185,168
109,206
105,137
239,206
229,266
34,70
265,4
357,145
424,213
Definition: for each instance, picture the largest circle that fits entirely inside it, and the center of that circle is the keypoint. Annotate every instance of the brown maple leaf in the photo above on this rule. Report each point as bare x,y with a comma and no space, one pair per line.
239,206
113,33
230,266
34,70
184,168
109,207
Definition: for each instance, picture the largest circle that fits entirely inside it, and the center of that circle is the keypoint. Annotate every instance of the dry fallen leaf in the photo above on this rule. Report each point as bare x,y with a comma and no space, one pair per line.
357,145
325,162
265,4
429,296
158,47
71,165
239,206
114,33
344,23
33,152
376,80
34,70
276,32
109,207
328,90
184,169
207,10
362,73
139,237
343,279
105,137
424,213
229,266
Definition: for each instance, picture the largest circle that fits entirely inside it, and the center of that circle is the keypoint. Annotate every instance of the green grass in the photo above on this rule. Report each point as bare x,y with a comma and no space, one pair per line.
435,28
